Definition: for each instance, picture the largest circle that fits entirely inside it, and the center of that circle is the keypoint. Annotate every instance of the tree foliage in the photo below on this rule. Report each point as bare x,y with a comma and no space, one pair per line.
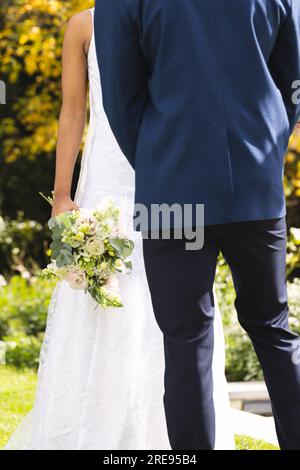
31,47
31,37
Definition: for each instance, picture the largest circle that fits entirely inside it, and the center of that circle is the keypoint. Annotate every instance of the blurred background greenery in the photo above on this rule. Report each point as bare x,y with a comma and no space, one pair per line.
30,48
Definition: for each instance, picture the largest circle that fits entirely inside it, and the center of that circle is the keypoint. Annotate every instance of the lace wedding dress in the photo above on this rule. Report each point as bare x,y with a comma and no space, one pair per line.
100,383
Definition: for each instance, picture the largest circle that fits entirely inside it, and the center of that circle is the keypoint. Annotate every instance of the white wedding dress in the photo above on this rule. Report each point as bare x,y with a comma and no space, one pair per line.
100,382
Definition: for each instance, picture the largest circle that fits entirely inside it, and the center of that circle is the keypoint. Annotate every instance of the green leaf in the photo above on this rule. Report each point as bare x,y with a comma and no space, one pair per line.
56,245
64,258
128,264
57,232
56,248
49,199
52,223
63,219
123,246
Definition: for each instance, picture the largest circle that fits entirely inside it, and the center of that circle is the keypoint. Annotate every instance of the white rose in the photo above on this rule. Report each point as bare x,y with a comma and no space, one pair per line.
76,278
94,247
112,286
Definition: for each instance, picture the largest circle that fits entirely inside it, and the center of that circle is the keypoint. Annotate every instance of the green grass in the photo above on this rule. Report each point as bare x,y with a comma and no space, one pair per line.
17,390
247,443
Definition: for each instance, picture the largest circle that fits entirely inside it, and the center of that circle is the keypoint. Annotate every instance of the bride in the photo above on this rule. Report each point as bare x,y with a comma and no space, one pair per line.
101,372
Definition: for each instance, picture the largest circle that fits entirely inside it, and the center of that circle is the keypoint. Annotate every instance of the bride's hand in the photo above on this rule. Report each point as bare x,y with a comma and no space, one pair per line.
63,204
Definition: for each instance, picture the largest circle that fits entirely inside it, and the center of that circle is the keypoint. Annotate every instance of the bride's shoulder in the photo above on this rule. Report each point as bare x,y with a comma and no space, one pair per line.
81,19
80,27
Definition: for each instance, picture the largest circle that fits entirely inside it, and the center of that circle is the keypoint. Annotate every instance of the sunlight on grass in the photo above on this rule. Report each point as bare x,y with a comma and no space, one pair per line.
247,443
17,390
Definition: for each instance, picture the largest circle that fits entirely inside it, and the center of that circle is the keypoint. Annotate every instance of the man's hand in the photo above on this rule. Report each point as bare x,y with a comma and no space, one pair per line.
63,204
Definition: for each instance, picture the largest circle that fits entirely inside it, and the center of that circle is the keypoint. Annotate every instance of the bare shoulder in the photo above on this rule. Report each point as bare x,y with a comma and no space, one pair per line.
80,27
82,20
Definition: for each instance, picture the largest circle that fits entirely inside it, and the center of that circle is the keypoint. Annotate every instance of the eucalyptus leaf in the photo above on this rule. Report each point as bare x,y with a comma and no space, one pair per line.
65,258
52,223
56,245
63,219
128,265
67,247
55,254
57,232
123,247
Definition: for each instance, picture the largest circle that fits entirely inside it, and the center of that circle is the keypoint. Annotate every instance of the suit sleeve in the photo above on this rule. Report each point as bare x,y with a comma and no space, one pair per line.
123,72
285,63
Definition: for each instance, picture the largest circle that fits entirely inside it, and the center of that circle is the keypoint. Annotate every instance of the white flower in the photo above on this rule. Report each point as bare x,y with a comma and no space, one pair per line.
296,233
2,224
26,275
51,267
109,295
86,222
3,282
76,279
94,247
111,288
55,271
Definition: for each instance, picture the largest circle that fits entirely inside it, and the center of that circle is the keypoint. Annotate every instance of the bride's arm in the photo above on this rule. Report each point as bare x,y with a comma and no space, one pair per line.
73,112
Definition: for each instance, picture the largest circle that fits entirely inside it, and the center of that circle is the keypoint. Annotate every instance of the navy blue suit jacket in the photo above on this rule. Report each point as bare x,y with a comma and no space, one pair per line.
199,96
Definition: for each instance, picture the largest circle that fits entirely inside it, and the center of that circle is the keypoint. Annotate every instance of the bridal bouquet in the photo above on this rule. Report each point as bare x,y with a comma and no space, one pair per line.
88,251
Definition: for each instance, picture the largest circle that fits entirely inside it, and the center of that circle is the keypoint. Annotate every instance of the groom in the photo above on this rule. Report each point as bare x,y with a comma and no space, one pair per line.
199,94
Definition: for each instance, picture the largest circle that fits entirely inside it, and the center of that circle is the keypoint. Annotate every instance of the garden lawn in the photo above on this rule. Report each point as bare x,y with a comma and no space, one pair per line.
247,443
17,391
